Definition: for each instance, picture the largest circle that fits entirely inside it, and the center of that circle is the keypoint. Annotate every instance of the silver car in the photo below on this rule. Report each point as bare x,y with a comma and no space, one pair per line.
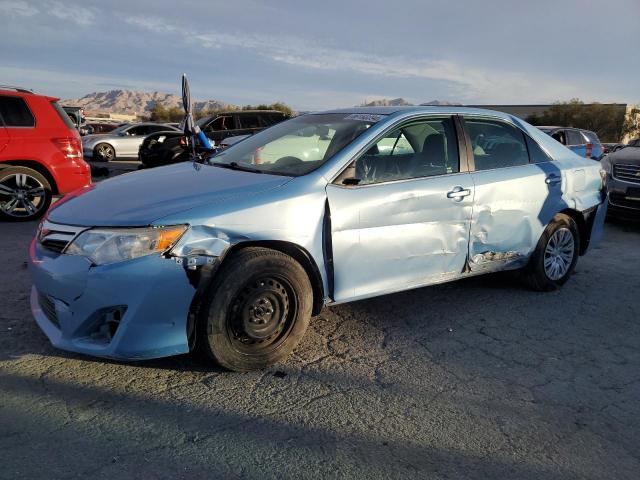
235,255
123,142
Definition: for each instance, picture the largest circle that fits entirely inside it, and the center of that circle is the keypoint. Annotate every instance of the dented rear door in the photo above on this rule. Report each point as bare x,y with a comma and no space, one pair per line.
514,198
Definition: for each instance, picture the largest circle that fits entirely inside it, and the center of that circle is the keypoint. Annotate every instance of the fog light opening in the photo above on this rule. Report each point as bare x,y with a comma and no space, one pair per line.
108,322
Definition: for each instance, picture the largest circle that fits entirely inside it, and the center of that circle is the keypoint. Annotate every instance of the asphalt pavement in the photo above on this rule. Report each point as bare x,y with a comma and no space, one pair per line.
479,378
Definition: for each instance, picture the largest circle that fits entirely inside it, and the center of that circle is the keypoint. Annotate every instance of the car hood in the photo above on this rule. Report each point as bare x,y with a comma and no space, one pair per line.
629,155
140,198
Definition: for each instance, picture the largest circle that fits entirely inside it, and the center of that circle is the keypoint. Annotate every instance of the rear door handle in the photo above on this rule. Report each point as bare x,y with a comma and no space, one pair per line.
553,180
458,193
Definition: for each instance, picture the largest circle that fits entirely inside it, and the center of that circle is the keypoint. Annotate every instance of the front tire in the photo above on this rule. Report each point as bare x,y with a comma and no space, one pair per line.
25,194
555,256
257,311
104,152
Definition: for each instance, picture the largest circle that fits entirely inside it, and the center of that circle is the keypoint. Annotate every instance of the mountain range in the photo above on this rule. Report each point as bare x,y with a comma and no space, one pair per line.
134,102
396,102
137,103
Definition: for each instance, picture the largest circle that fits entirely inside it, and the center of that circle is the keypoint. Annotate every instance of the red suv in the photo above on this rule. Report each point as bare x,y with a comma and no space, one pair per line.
40,154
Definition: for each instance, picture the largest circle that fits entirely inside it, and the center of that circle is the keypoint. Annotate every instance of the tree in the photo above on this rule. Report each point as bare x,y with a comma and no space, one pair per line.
606,120
159,113
631,127
279,106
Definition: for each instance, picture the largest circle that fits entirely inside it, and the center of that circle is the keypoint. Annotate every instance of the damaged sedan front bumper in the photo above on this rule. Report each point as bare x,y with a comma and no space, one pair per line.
131,310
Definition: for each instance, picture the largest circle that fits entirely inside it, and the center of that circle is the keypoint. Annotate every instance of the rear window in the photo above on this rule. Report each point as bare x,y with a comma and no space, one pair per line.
536,153
591,136
272,118
63,115
574,138
15,112
249,121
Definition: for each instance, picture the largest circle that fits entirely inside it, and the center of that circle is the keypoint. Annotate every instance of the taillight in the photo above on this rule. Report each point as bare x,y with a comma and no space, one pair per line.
183,141
589,150
71,147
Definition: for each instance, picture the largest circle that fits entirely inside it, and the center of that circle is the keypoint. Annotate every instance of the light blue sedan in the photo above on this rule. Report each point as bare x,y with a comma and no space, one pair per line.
234,256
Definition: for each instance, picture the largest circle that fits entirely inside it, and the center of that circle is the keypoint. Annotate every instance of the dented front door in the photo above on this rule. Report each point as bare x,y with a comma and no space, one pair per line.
393,236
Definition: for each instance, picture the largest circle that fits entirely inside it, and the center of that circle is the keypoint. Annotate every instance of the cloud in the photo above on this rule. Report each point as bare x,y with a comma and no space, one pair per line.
72,12
153,24
17,8
466,82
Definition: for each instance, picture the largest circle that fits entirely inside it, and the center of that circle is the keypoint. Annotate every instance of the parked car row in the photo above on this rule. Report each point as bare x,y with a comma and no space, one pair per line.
122,142
166,148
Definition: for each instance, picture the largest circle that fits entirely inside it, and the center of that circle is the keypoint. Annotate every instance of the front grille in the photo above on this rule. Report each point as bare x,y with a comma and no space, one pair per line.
618,200
56,237
54,245
48,307
627,173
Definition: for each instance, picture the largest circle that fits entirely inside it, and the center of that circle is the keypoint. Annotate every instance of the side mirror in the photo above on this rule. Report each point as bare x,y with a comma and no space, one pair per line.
351,181
348,176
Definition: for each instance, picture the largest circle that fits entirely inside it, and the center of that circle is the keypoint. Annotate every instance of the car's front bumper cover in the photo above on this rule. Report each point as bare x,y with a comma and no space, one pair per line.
71,300
624,197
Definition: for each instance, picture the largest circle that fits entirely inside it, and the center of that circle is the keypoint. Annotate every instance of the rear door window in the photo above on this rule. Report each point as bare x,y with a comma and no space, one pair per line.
591,136
249,121
15,112
271,119
496,144
574,138
221,123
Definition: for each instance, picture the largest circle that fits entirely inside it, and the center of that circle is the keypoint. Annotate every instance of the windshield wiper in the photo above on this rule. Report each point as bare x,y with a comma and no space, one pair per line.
236,166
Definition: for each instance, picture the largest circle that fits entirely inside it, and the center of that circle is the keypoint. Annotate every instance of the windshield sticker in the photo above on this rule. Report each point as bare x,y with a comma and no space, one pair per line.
364,117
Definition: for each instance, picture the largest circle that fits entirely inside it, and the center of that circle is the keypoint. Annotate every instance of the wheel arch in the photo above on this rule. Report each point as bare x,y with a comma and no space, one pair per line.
583,229
299,254
38,167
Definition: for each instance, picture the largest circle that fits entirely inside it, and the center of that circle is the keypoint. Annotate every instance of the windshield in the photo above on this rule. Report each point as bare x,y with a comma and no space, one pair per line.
297,146
202,121
120,129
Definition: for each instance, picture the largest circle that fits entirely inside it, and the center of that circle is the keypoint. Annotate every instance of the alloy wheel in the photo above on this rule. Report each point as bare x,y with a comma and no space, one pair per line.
105,152
558,255
21,195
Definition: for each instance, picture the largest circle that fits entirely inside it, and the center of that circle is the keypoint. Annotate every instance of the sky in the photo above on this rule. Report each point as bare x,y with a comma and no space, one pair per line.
314,55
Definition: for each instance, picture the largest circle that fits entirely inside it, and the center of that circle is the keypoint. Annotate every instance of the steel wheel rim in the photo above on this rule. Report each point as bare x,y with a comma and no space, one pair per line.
262,315
558,255
105,151
21,195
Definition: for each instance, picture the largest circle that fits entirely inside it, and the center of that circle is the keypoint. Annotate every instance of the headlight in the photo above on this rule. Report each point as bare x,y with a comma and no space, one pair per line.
104,246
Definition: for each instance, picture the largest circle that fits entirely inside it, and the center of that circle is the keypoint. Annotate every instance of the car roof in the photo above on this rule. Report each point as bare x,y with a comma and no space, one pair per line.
241,112
448,109
22,92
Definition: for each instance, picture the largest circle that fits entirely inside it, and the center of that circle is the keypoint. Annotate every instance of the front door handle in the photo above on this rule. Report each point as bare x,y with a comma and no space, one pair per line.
458,193
553,180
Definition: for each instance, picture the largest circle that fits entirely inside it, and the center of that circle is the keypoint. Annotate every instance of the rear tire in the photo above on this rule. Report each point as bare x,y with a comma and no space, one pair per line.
555,256
25,194
257,311
104,152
